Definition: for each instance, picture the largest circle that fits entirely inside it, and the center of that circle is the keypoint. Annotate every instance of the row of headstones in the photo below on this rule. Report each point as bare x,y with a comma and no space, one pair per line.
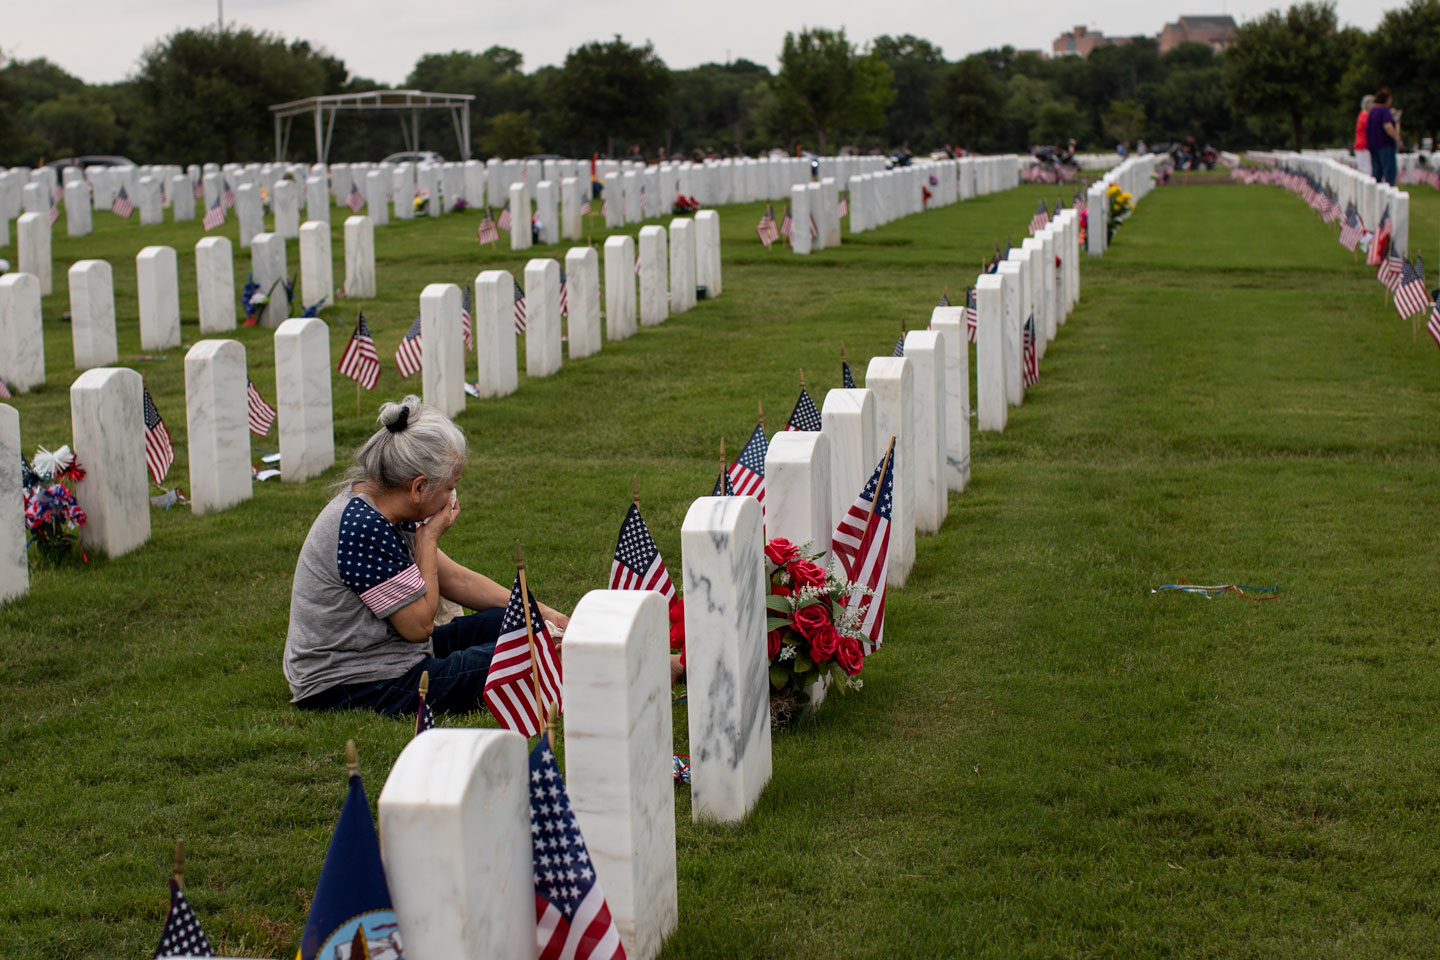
1040,279
618,722
1371,197
1135,176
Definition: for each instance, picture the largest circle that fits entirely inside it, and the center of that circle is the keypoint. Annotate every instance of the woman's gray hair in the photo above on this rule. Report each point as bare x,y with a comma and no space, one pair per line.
1367,101
414,440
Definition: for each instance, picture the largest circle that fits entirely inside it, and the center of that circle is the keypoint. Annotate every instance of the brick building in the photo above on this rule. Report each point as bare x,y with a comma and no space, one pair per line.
1215,32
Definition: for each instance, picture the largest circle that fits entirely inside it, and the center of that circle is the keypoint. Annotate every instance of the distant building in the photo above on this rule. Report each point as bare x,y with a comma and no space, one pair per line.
1078,43
1215,32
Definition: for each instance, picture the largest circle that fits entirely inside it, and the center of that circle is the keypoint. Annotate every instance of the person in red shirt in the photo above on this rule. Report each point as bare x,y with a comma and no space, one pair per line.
1362,154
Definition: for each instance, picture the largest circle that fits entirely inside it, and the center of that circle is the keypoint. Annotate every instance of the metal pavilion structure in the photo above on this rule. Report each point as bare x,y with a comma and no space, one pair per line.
407,103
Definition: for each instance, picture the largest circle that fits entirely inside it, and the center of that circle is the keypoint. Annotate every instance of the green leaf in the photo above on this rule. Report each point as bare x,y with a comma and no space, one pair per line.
837,678
778,675
776,623
778,604
803,664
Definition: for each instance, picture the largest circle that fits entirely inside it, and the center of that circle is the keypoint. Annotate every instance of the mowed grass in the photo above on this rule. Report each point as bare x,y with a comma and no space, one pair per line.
1046,760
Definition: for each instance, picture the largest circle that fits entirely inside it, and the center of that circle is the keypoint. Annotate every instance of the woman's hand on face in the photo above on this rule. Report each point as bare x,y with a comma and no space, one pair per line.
441,520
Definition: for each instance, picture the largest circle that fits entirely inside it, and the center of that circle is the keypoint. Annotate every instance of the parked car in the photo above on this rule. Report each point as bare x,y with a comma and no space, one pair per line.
91,161
421,156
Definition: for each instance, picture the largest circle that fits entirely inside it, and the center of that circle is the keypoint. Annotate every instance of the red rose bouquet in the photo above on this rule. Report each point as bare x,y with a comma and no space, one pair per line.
684,205
811,636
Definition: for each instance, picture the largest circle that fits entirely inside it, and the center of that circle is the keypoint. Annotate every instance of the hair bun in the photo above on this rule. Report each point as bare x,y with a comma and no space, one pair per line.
395,417
400,422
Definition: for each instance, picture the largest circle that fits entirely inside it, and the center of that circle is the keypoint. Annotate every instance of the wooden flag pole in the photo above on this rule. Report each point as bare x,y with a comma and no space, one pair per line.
635,490
529,631
760,406
352,759
724,469
802,378
179,862
884,469
550,726
358,315
424,684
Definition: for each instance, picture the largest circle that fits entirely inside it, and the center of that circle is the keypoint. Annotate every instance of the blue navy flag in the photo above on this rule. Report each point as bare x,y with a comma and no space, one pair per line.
805,416
352,892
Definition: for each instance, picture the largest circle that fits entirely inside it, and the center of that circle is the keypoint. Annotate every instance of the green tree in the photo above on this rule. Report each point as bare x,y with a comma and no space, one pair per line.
968,101
1403,50
917,67
610,91
494,78
826,87
1124,120
1286,65
208,94
511,135
74,124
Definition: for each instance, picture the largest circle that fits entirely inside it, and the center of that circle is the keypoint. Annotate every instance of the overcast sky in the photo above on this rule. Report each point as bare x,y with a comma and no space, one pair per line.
101,40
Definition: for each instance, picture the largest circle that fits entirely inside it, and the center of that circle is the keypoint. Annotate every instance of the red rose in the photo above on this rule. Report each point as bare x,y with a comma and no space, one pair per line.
781,551
774,638
809,620
677,636
850,657
677,610
824,644
803,573
778,591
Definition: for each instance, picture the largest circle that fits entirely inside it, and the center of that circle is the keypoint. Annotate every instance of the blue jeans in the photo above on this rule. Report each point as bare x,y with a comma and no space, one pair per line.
463,648
1383,164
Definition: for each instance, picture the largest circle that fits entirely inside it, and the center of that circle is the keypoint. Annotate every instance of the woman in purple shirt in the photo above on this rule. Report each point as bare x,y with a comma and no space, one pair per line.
1382,137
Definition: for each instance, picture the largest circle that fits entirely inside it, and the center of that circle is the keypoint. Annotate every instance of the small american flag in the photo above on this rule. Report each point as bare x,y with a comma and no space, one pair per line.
637,564
356,199
847,379
54,212
360,362
199,190
122,206
637,265
787,226
486,232
504,222
509,689
804,416
972,315
424,718
814,230
1434,325
467,325
723,487
227,195
1029,359
1391,271
585,207
1351,230
747,473
944,298
767,230
844,209
519,307
899,350
182,936
407,357
4,391
261,413
1412,297
1041,219
861,542
159,453
572,919
1380,245
214,217
564,295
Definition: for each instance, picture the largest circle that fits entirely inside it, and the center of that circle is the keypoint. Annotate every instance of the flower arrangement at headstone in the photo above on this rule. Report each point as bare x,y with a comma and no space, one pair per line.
421,198
684,205
52,516
813,639
1121,206
460,206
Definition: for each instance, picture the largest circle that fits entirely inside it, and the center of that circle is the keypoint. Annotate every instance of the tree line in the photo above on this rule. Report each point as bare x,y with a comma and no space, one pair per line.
1291,78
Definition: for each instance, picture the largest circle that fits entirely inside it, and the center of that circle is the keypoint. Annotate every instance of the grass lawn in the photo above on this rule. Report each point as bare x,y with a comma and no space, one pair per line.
1046,760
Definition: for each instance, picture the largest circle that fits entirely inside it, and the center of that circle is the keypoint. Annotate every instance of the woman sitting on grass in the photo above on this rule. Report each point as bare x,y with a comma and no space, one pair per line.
371,574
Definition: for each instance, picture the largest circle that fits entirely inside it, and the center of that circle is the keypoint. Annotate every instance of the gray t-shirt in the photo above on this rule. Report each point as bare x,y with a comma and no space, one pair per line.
355,569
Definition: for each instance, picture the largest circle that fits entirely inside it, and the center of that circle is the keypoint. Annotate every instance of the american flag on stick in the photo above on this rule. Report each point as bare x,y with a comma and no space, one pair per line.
521,664
747,473
585,207
467,324
1380,245
847,376
1351,229
1029,358
198,190
360,361
54,212
1412,297
182,936
972,315
1391,270
1041,219
261,414
410,351
424,718
356,199
861,542
572,919
486,232
805,416
899,350
159,452
564,295
122,207
843,210
814,230
1434,325
4,391
504,222
637,564
227,195
767,230
787,226
519,307
214,217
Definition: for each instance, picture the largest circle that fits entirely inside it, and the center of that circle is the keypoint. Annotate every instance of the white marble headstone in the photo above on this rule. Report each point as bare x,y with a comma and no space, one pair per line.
92,314
520,237
215,284
107,422
317,267
317,199
797,491
654,277
542,318
547,211
250,212
32,233
950,321
707,253
682,264
442,354
158,280
582,296
726,656
267,259
990,402
14,564
847,417
618,743
800,219
1014,275
891,380
79,218
303,399
22,333
494,320
359,258
926,349
619,287
217,425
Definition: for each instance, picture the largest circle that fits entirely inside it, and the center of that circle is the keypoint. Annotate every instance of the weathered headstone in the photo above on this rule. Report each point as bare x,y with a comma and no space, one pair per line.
494,320
455,815
215,284
797,490
92,314
542,318
267,259
442,357
547,211
217,425
619,287
360,280
722,548
618,742
303,398
107,422
158,281
32,232
582,295
22,333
